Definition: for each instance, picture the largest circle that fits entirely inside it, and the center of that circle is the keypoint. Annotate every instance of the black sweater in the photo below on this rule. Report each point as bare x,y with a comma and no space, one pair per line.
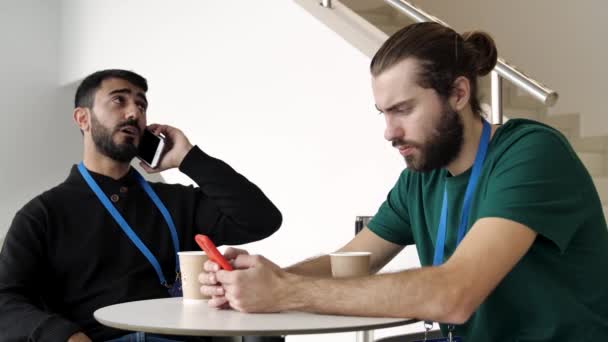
64,255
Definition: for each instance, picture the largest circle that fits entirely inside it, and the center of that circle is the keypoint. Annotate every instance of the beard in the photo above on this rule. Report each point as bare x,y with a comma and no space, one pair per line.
442,146
102,137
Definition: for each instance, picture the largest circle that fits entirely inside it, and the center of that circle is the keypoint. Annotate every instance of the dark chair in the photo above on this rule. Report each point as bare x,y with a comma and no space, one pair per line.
411,337
263,339
246,339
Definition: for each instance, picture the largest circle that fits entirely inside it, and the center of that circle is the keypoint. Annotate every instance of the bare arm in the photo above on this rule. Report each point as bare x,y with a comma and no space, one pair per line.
382,252
481,261
488,252
313,267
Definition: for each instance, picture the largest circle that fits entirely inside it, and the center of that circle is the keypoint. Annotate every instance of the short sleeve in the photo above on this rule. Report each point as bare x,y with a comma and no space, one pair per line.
392,221
538,181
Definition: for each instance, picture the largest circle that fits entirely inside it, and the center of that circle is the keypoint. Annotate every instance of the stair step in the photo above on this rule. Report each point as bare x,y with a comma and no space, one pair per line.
389,29
521,113
376,12
601,185
594,162
598,144
368,5
568,123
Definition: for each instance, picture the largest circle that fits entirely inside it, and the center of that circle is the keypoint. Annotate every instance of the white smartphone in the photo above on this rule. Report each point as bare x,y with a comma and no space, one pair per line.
150,148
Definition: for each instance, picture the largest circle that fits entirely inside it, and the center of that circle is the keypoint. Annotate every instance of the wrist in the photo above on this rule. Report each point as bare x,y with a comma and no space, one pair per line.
295,292
184,153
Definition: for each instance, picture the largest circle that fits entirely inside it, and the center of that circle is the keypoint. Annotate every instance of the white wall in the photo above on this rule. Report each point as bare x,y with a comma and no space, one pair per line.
264,86
38,141
561,43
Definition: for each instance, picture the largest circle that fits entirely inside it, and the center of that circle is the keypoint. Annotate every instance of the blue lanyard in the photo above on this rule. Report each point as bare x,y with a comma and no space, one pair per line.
125,226
468,195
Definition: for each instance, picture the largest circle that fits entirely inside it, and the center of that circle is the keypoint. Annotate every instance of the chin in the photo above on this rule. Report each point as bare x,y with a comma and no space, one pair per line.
127,141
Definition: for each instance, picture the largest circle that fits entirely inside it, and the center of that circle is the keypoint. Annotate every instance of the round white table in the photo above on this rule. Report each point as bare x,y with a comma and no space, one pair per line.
174,317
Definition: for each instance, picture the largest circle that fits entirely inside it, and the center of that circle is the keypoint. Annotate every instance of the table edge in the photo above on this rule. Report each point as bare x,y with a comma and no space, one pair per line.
208,332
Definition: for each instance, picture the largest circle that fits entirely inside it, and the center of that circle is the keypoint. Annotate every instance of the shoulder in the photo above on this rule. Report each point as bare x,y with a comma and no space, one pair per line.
39,207
532,134
525,141
171,187
174,190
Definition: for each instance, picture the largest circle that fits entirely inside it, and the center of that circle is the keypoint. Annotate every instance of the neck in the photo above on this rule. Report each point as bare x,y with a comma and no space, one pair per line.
99,163
473,128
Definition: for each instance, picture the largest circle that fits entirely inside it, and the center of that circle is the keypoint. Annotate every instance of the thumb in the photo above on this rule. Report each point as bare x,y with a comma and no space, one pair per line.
247,261
232,253
147,168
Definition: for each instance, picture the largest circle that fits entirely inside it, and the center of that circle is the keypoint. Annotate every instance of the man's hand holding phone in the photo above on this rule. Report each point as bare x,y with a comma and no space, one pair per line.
208,279
175,147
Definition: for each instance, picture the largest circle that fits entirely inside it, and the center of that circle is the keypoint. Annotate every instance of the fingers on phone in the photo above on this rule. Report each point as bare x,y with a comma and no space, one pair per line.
147,168
210,266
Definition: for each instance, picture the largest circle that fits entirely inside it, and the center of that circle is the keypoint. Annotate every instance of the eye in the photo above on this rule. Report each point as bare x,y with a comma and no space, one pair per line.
142,106
118,100
405,110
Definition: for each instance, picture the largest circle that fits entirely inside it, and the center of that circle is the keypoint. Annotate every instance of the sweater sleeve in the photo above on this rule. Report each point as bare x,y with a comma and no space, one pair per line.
22,273
241,212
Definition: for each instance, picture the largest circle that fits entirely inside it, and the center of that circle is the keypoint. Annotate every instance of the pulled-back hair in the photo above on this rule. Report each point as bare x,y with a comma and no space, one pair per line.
443,56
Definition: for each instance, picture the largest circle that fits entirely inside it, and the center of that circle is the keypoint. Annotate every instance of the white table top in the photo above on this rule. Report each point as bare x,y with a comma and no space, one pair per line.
173,316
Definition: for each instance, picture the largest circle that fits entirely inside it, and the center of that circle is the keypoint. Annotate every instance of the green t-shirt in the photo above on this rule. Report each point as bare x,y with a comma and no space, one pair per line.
531,175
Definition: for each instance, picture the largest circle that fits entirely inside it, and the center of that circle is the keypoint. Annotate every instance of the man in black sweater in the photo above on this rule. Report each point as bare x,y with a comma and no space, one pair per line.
65,255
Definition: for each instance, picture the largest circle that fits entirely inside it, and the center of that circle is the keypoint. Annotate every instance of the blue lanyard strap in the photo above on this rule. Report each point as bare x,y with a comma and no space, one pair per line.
468,195
125,226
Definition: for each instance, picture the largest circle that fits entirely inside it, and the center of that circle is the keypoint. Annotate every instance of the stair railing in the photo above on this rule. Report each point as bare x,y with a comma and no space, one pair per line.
501,71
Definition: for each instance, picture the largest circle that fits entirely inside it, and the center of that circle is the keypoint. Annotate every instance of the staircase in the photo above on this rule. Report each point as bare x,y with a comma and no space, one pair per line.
380,20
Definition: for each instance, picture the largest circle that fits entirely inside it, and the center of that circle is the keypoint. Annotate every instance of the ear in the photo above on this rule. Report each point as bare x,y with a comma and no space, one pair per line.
461,93
82,118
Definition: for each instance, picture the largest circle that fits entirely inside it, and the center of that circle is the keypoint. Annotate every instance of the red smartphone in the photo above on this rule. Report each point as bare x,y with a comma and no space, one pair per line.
214,255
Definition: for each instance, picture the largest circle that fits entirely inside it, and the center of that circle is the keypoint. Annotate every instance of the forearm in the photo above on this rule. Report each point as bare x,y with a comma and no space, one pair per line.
20,321
423,293
314,267
244,215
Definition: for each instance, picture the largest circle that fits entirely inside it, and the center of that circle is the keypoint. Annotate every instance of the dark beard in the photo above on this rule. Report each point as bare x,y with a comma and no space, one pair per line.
443,146
102,137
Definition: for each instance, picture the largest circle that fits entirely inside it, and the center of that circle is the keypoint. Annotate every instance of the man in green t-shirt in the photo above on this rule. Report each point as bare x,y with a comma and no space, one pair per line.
532,265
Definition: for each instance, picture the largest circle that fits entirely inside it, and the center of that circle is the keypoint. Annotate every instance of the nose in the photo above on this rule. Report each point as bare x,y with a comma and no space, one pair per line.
132,111
393,129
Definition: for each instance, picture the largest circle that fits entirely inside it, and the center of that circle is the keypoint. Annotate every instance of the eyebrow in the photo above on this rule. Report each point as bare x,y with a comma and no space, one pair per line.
141,95
394,106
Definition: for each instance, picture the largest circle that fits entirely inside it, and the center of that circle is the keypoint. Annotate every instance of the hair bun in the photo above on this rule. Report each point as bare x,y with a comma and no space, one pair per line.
484,45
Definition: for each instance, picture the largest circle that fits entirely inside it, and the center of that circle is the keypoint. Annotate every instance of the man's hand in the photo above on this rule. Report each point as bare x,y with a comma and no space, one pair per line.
256,285
210,285
177,146
79,337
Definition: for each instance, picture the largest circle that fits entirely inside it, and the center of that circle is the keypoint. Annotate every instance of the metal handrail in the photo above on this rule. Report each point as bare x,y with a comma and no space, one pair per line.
325,3
502,70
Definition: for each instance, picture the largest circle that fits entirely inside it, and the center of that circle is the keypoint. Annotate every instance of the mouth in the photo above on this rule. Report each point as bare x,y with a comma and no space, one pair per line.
130,130
406,150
